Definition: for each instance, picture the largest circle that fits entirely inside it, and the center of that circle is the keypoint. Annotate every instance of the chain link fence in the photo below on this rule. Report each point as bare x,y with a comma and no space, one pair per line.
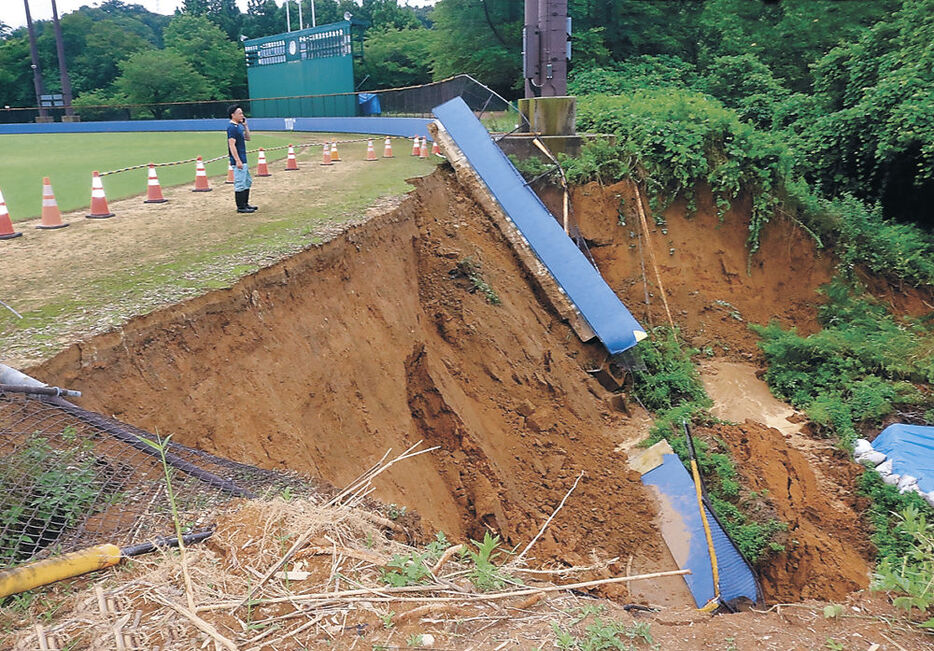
412,101
70,478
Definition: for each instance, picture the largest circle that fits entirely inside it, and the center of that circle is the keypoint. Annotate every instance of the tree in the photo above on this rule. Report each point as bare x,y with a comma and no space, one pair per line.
157,76
396,57
467,41
106,43
203,45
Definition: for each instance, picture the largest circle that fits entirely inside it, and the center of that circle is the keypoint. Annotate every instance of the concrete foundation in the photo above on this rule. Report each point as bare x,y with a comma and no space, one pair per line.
550,116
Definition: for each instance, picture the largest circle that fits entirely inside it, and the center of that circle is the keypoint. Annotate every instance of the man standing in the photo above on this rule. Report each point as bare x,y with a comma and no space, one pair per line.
237,134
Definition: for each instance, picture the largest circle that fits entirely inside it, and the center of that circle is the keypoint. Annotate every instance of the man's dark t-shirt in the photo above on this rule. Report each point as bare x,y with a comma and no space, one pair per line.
235,131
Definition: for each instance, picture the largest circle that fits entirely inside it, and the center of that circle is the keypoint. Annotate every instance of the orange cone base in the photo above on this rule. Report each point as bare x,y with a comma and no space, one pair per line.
106,215
266,174
287,169
156,201
202,189
226,182
50,228
10,236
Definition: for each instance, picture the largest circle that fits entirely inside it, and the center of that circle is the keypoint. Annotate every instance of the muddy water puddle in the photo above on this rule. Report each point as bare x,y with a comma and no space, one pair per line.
738,394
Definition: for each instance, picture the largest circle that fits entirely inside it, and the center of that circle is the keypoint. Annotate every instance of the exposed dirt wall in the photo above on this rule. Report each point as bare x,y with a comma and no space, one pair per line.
323,362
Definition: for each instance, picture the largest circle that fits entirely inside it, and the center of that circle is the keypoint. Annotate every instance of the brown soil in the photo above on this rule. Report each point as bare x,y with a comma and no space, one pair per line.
372,341
714,289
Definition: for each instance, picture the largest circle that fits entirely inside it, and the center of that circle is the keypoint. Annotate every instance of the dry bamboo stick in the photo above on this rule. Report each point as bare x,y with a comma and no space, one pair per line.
518,558
197,621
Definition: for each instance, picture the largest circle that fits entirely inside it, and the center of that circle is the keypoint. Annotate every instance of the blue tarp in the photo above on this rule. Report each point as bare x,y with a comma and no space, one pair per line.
597,303
369,104
911,449
736,579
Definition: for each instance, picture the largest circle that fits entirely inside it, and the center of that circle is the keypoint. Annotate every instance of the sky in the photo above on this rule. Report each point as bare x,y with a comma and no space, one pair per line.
13,14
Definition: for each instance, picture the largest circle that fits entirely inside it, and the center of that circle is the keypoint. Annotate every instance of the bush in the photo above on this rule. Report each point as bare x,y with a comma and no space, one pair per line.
855,371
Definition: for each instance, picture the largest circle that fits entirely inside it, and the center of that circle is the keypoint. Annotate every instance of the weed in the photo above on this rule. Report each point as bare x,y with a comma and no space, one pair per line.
413,568
485,575
394,511
913,574
605,635
833,645
468,268
386,619
415,639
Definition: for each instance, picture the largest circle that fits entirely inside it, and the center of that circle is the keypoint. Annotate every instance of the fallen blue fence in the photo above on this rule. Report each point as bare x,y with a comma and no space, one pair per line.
597,303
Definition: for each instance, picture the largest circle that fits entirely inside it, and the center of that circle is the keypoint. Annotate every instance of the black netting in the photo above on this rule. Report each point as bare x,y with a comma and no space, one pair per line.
70,478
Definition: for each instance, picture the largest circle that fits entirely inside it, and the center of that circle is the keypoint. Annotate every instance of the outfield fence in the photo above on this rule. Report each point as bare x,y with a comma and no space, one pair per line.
411,101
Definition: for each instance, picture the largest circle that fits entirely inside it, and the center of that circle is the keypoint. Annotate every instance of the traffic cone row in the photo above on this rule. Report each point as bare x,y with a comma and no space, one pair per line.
230,178
423,150
435,149
370,152
387,148
51,215
416,148
290,164
335,156
6,223
326,155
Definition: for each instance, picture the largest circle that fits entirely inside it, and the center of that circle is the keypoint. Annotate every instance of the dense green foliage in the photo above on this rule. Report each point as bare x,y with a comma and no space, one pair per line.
671,388
862,366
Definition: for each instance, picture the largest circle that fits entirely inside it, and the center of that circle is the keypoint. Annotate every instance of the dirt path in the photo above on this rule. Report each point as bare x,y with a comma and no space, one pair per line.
96,274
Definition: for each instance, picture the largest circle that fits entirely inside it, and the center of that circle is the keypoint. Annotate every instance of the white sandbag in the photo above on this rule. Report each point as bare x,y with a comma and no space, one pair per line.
891,480
873,457
884,468
861,447
906,483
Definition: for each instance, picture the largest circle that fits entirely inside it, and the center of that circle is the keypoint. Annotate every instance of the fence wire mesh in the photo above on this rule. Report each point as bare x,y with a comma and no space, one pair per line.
412,101
70,478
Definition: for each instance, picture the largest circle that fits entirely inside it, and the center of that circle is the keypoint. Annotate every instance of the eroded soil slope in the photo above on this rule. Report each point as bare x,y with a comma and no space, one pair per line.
323,362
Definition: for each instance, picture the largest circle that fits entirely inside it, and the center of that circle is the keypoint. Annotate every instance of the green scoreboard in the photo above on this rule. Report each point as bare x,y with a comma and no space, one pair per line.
301,73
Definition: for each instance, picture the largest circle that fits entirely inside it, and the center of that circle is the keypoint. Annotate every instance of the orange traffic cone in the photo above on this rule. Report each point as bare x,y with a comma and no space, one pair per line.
201,177
335,156
261,168
387,148
153,189
370,152
230,169
99,209
290,164
435,149
326,156
423,150
6,224
51,215
415,147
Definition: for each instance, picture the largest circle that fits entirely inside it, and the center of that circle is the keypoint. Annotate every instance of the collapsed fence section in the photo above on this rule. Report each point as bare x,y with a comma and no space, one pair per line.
70,478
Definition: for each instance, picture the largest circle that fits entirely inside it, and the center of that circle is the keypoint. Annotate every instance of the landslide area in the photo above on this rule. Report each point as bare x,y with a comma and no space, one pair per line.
422,325
379,339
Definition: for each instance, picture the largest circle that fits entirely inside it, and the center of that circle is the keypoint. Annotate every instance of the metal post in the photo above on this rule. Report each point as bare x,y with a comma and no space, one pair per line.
301,25
530,49
553,21
288,17
62,67
36,73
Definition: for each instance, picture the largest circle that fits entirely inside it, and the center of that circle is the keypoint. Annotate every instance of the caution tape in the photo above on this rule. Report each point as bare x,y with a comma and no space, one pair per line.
304,145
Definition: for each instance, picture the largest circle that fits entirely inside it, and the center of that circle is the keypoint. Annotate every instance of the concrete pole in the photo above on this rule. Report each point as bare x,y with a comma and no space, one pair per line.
62,67
36,73
553,18
531,38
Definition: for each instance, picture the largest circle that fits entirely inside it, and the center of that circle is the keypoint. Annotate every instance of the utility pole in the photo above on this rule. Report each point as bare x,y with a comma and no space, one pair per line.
62,67
545,51
36,73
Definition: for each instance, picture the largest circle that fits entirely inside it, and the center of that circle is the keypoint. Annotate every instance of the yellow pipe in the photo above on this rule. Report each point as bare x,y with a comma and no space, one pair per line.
711,605
33,575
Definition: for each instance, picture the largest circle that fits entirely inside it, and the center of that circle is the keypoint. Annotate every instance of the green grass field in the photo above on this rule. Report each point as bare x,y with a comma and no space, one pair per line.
69,158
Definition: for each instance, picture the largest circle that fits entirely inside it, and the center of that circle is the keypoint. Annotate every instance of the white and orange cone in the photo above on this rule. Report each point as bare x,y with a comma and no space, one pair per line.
6,223
326,155
370,152
335,155
230,178
51,215
153,189
423,150
291,165
262,169
99,209
201,177
415,147
435,149
387,148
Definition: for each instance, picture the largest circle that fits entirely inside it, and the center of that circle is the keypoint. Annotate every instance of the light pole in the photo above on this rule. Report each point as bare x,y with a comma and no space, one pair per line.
62,67
36,73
